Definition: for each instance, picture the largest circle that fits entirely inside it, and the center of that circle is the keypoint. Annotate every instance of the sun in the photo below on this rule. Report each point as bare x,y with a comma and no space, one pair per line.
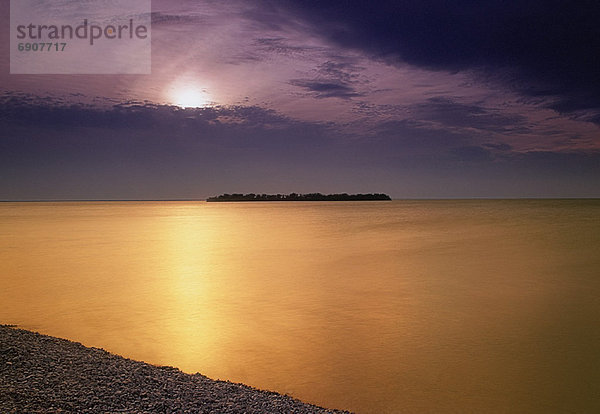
188,95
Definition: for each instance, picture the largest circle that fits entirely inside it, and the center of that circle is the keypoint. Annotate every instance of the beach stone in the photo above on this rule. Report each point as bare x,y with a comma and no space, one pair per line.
42,374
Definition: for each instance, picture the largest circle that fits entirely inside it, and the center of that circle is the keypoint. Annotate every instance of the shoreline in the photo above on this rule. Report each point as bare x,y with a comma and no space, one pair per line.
45,374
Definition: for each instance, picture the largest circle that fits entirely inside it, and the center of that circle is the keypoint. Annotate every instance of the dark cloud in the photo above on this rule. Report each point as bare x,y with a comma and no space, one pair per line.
137,150
342,71
159,18
540,48
582,106
442,112
326,89
47,112
338,79
498,146
280,45
140,150
455,114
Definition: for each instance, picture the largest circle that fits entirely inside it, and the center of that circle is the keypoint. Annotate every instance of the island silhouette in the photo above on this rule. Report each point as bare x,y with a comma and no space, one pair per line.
300,197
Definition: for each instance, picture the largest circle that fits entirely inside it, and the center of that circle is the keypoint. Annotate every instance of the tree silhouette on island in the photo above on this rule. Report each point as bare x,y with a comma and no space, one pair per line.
300,197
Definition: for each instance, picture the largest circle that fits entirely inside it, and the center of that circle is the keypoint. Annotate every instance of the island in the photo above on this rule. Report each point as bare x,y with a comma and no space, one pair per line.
300,197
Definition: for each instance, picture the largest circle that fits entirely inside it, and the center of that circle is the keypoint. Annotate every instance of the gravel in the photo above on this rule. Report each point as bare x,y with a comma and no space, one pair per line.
43,374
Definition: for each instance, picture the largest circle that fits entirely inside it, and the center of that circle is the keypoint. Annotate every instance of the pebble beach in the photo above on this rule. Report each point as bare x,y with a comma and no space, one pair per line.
43,374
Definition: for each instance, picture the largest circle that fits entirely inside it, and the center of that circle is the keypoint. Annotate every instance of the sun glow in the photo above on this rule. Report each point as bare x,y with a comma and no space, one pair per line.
188,95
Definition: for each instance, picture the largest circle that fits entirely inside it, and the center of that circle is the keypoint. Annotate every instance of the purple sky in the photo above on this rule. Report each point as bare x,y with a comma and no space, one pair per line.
415,99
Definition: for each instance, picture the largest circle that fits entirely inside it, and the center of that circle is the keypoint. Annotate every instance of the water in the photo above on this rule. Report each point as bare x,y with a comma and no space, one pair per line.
376,307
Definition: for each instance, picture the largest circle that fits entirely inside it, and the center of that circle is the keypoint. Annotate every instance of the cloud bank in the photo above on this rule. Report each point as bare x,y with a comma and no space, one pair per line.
50,150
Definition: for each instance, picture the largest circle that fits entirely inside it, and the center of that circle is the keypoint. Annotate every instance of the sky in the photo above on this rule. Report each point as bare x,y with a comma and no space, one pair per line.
413,98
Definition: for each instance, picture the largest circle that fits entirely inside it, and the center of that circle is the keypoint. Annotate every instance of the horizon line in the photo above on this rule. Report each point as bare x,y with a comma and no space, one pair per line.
94,200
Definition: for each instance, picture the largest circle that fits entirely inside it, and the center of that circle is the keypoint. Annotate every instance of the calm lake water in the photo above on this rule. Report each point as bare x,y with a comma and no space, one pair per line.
376,307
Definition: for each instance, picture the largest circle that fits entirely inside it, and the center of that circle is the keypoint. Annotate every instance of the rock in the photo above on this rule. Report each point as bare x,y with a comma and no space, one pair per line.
41,374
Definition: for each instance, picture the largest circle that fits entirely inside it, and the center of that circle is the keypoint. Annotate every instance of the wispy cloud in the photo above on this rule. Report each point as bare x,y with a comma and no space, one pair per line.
534,47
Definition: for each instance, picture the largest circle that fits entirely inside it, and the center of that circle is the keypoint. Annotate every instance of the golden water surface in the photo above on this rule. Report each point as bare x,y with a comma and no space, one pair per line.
376,307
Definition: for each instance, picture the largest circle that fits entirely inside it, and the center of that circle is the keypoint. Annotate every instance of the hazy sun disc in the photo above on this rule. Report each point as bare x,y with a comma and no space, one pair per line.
187,96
